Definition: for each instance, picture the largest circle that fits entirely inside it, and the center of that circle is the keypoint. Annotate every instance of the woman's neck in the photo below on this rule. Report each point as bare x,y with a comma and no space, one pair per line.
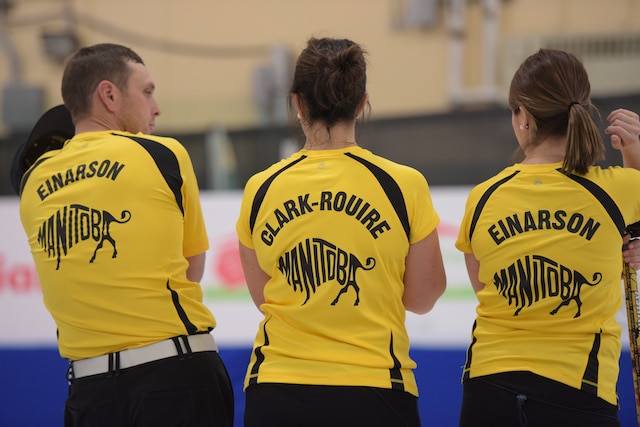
339,136
548,151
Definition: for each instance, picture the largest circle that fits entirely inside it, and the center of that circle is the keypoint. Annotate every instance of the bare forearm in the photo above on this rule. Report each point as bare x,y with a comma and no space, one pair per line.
195,270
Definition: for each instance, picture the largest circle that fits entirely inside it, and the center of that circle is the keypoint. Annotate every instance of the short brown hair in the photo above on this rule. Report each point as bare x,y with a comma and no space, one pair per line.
90,65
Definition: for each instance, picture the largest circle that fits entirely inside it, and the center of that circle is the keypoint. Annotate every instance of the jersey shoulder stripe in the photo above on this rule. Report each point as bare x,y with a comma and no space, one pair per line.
38,162
262,191
391,189
167,164
605,200
483,201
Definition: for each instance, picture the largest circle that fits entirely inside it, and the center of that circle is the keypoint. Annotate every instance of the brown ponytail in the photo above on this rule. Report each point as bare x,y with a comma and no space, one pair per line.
584,142
553,86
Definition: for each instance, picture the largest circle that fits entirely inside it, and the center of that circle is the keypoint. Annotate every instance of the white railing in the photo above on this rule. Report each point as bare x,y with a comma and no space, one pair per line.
612,60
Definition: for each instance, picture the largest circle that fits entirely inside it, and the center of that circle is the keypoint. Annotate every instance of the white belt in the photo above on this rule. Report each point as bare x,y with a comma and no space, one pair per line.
178,346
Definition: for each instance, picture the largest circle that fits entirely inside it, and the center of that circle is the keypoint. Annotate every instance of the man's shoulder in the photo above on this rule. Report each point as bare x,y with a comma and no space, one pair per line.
145,139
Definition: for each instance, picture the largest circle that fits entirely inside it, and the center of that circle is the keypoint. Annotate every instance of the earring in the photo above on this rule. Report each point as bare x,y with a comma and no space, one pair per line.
523,127
298,116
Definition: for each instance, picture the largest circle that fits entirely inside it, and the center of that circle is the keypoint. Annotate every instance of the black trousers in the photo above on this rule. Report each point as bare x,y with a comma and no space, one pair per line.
516,399
292,405
192,390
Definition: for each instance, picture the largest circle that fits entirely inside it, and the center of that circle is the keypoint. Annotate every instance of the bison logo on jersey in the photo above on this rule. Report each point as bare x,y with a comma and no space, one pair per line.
574,294
536,277
313,262
107,219
77,223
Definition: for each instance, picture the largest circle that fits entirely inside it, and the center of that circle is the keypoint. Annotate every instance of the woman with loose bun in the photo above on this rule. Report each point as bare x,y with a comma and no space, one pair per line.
337,244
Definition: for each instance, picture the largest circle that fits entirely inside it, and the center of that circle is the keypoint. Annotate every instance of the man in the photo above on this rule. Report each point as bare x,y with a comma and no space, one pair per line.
117,233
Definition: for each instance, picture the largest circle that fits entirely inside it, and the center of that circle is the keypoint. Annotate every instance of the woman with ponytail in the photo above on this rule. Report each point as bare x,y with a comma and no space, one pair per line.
542,242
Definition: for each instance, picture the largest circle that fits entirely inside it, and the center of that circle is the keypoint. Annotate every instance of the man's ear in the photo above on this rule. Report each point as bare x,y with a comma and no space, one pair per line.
107,94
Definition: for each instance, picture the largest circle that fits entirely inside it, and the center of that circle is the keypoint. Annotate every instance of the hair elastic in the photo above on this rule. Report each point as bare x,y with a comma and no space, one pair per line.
572,103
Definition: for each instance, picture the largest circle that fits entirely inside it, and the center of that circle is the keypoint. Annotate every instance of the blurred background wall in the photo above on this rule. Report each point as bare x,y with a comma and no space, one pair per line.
438,73
438,77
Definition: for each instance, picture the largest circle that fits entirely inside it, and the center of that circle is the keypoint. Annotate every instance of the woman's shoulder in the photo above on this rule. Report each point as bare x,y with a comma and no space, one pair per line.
272,170
612,171
495,179
390,166
614,175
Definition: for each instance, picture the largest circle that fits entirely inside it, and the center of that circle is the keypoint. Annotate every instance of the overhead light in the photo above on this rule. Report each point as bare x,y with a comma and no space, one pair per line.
59,45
